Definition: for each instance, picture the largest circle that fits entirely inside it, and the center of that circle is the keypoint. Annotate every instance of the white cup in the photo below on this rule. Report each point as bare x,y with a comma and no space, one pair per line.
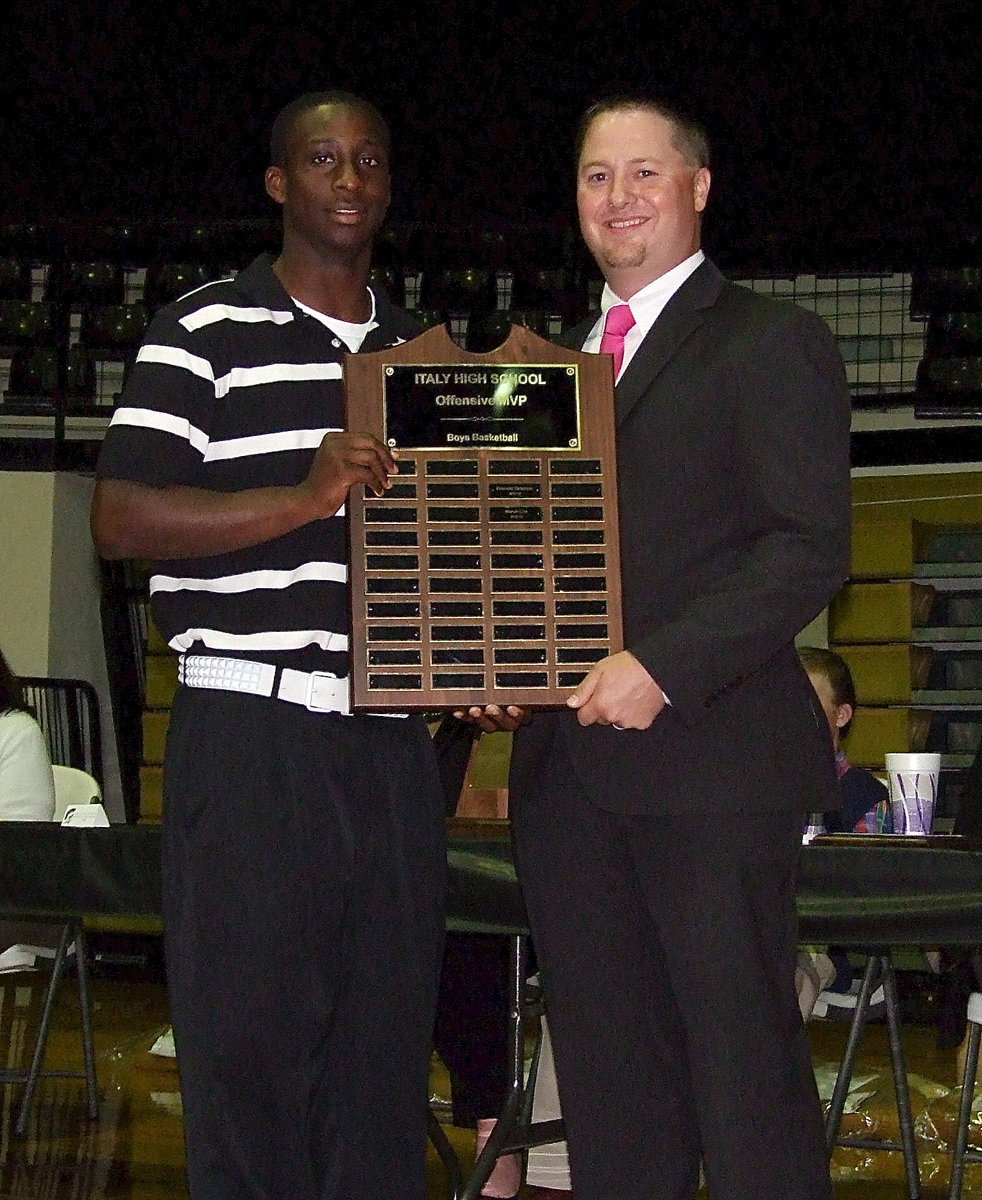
913,783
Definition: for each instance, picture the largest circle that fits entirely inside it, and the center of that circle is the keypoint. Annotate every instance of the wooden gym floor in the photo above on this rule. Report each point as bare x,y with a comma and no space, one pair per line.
135,1148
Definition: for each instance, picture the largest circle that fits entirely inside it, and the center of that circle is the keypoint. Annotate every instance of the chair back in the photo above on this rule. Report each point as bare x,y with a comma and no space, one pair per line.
68,712
72,787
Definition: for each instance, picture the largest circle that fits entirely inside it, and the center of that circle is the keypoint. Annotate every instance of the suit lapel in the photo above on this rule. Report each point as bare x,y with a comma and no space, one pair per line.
683,314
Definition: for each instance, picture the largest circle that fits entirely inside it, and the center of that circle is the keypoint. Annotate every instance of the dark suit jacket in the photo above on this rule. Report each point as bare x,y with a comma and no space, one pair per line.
733,470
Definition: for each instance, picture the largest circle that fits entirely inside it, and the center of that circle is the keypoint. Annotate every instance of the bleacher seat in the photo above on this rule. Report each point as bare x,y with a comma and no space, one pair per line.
554,291
109,336
390,279
167,281
79,284
80,377
34,375
27,323
114,329
429,318
30,340
487,333
15,279
949,376
468,291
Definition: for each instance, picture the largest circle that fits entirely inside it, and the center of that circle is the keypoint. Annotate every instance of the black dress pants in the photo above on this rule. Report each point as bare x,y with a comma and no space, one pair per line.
304,868
667,950
471,1031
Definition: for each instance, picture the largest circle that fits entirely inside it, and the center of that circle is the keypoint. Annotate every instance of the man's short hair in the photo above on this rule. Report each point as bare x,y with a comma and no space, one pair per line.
286,119
831,666
688,136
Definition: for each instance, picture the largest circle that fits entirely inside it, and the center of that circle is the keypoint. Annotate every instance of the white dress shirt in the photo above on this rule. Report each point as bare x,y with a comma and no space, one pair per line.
646,306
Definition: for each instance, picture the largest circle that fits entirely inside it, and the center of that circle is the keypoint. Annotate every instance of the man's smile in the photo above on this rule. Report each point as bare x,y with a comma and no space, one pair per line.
625,222
349,215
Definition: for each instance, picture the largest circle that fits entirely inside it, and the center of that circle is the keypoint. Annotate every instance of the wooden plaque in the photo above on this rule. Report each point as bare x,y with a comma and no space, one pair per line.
490,571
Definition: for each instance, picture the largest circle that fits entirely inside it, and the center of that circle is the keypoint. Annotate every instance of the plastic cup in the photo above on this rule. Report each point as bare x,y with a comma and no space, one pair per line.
913,783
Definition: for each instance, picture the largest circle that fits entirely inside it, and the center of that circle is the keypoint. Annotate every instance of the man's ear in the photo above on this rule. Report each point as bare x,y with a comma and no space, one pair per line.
275,184
700,188
843,715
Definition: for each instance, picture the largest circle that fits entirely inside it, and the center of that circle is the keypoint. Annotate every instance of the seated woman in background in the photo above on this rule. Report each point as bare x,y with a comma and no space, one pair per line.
27,790
865,809
27,793
865,799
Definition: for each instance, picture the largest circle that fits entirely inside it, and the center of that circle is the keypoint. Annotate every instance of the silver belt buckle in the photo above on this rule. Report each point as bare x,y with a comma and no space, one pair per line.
326,693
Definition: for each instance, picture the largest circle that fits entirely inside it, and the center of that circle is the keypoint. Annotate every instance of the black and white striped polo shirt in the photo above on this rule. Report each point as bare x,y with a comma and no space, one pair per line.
233,388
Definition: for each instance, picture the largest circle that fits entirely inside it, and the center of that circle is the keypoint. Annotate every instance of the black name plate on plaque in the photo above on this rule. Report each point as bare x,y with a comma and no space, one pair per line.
490,571
447,407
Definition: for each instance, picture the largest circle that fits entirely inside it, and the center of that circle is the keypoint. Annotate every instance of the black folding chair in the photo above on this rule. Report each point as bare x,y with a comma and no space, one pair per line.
72,933
68,712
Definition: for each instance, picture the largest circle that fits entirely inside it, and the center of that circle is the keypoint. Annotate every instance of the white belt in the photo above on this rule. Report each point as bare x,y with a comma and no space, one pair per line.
318,691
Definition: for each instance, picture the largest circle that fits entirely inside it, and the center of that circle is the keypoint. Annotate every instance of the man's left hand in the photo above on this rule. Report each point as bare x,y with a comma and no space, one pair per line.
618,691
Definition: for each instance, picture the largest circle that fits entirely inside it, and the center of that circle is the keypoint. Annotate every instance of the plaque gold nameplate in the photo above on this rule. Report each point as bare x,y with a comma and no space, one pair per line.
490,571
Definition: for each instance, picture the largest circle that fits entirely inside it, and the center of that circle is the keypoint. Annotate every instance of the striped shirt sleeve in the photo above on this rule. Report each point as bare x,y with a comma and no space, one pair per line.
159,433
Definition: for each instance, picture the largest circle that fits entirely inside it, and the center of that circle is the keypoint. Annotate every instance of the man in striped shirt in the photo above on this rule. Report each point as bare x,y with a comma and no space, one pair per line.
303,852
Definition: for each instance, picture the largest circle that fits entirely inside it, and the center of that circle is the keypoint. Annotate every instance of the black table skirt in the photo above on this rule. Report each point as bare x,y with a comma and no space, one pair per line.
852,891
864,892
47,870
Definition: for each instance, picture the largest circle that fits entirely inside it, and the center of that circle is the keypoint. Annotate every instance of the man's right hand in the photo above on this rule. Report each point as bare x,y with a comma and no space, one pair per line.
134,520
345,460
493,718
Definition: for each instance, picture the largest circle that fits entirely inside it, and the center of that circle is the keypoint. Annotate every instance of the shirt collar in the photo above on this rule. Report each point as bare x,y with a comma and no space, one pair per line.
260,283
342,328
647,304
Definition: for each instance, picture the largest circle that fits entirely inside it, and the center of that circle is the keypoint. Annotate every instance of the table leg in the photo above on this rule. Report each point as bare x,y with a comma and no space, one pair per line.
837,1105
900,1083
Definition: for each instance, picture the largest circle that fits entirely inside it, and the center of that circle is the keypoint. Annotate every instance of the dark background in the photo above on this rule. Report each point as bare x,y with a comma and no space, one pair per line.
843,131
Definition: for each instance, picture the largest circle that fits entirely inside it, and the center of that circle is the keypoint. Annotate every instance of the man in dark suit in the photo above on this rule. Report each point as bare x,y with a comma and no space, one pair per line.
658,824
